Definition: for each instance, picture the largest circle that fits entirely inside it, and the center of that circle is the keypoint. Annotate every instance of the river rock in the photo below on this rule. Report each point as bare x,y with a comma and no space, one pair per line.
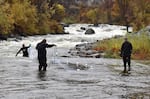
83,28
85,50
90,31
77,66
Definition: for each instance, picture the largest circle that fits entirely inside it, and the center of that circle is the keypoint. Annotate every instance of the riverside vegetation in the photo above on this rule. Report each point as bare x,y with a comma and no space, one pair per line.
111,47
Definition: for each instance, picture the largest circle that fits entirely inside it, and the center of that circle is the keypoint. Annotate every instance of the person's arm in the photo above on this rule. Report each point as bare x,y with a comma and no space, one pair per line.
50,45
131,47
37,46
18,52
29,46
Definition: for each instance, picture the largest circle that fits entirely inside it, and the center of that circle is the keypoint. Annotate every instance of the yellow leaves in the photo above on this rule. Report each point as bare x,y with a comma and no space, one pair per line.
61,9
92,15
55,27
24,15
115,10
18,12
21,11
20,17
5,19
58,12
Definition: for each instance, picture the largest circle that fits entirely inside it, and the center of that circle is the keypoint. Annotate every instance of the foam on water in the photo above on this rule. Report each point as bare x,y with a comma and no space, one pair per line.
76,36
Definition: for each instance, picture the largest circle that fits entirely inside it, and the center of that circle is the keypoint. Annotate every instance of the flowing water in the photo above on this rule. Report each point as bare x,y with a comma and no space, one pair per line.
98,78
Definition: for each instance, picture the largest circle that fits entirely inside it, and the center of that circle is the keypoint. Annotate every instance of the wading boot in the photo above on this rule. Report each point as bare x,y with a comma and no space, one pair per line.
40,68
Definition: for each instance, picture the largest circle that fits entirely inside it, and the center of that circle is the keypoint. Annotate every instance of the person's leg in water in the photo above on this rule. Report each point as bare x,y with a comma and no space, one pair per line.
40,64
44,64
40,67
124,62
44,67
129,63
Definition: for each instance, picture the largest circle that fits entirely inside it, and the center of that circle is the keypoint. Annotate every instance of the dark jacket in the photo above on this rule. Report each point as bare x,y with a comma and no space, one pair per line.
126,49
41,47
24,51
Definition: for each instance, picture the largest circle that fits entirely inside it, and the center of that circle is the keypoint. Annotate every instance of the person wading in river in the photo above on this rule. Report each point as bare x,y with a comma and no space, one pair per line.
126,50
41,48
24,50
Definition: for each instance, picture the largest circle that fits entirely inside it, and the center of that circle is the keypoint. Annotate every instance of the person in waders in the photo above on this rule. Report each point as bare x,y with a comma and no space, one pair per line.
41,48
126,50
24,50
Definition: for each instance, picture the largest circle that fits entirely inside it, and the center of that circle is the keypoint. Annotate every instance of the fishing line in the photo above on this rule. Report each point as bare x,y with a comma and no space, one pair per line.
54,54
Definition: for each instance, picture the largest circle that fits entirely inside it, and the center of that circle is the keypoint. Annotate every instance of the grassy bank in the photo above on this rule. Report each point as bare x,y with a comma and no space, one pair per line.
111,47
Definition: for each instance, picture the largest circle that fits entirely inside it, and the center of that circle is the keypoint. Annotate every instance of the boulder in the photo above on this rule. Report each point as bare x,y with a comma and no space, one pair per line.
83,28
77,66
90,31
85,50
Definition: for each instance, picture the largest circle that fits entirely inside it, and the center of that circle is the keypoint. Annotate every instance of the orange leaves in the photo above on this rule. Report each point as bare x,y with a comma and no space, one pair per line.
101,49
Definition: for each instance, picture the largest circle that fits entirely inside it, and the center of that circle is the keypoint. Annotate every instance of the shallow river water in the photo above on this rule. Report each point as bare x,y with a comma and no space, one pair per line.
101,79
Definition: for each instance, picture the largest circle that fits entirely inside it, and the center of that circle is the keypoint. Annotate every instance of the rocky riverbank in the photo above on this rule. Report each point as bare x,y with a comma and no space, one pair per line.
85,50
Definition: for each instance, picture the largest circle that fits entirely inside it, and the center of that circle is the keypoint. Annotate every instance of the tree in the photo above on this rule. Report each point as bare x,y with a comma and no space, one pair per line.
25,17
6,21
107,6
58,12
92,16
115,12
141,12
126,13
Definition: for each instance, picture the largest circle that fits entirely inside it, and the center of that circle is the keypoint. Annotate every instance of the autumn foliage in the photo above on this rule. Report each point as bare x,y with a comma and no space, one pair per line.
30,17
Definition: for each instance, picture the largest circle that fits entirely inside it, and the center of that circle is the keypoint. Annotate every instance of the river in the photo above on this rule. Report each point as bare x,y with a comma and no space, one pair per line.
20,78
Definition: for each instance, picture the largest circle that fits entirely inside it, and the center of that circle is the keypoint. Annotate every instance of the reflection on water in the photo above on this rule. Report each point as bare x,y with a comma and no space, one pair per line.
63,80
42,75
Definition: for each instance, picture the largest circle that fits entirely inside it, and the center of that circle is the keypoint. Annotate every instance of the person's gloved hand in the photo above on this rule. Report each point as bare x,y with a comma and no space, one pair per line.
54,45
